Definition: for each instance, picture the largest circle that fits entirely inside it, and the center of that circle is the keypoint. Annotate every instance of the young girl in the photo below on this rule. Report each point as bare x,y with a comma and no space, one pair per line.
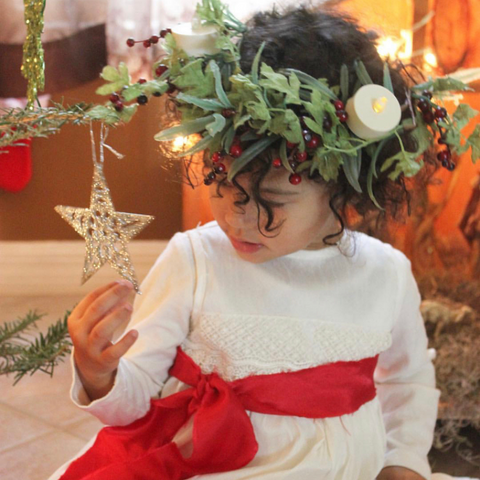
274,342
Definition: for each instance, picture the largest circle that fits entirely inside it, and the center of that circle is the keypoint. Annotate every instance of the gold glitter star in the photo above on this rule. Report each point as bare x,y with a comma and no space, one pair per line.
106,231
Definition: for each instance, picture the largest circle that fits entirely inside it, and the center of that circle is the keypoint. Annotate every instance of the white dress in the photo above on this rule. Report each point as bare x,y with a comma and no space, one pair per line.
301,310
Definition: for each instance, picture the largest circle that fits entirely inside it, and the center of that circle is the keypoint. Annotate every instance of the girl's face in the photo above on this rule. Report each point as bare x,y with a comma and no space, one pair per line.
303,209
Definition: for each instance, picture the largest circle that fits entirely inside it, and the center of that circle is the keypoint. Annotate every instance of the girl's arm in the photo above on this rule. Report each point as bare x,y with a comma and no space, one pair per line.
405,381
161,317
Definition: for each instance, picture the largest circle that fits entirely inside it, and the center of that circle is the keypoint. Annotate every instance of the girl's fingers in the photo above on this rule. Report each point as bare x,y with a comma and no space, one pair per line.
102,333
80,309
103,304
112,355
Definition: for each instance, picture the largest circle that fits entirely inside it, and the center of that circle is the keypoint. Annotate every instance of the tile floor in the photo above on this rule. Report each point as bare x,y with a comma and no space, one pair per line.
40,428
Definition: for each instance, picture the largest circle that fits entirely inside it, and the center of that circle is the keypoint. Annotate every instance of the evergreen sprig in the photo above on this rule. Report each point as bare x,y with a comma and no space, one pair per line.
21,355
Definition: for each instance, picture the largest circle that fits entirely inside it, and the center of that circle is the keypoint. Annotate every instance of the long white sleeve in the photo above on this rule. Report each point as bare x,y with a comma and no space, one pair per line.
161,315
405,381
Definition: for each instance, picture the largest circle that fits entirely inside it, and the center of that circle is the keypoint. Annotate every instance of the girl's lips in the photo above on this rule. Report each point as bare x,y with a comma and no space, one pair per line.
245,247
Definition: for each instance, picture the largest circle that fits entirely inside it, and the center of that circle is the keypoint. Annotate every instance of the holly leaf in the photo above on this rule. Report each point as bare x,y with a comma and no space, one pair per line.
276,81
155,86
443,84
474,142
217,125
117,78
132,91
128,112
104,113
422,135
463,114
405,162
208,104
327,163
193,80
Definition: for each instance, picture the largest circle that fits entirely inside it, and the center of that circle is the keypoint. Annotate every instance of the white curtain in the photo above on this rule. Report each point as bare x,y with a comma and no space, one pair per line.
123,18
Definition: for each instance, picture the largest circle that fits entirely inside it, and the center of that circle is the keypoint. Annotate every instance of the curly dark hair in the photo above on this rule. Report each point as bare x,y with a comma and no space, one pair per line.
318,42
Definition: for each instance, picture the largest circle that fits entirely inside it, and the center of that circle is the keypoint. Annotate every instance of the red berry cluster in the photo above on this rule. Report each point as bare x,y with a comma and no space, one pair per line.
218,167
154,39
434,113
340,112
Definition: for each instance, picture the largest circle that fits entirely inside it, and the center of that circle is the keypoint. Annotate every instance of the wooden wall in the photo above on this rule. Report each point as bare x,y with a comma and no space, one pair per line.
62,172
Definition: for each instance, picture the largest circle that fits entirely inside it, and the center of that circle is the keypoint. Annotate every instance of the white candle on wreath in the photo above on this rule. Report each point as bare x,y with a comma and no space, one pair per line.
373,112
196,39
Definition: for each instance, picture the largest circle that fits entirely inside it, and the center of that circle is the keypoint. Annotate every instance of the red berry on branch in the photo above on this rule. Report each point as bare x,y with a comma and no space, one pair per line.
228,112
171,87
211,175
291,145
302,156
160,70
157,94
118,106
451,166
338,105
428,116
293,164
427,93
277,162
154,39
444,155
220,168
169,30
424,106
141,80
207,181
327,123
216,157
114,97
163,33
147,43
142,99
295,179
131,42
314,142
440,113
342,115
236,151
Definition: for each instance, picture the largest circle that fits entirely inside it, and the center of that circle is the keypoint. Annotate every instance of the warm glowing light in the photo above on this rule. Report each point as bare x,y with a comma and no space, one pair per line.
179,143
379,104
396,47
431,59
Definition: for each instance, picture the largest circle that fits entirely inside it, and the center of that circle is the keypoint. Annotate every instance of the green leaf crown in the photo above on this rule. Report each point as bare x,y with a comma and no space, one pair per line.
220,102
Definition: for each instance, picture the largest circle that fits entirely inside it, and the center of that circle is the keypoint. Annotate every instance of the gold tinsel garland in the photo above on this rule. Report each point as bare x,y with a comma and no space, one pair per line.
33,66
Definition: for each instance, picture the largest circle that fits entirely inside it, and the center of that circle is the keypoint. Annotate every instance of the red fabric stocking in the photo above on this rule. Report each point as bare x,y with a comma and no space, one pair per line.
15,166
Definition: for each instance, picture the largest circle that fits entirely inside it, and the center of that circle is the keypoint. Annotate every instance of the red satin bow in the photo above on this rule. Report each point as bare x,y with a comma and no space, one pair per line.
223,436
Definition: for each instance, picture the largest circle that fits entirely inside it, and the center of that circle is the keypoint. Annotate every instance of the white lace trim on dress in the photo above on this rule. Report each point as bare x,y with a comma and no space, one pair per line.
236,346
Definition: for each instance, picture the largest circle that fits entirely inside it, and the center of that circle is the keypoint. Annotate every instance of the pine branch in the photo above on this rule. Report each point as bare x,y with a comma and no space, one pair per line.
19,124
22,357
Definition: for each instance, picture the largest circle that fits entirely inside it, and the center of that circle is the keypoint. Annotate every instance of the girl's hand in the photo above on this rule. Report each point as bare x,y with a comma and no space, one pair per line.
92,325
398,473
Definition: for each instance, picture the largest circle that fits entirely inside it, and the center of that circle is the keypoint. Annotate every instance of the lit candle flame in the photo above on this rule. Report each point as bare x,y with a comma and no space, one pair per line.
179,143
379,104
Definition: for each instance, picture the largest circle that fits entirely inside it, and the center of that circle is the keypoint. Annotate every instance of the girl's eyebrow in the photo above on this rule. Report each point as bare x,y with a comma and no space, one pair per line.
275,191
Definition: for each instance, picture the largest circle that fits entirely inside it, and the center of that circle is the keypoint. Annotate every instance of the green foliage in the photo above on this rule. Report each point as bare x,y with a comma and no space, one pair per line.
362,73
21,355
194,80
280,83
117,79
443,84
405,162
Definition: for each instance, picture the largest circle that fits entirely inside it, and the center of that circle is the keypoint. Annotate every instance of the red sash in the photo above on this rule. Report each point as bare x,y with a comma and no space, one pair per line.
223,436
